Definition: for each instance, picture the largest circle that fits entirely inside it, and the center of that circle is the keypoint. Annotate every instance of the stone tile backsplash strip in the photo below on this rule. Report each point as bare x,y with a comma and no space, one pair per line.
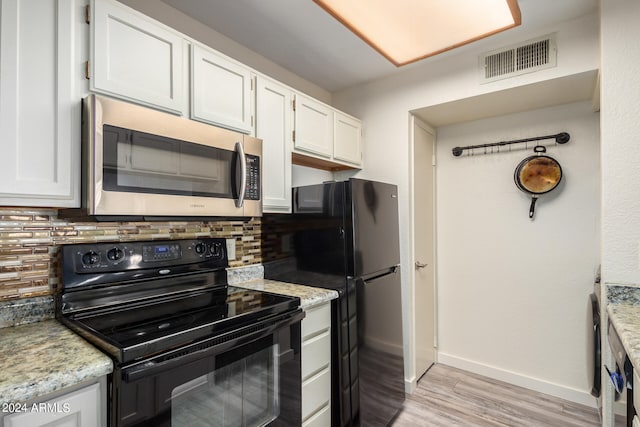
30,239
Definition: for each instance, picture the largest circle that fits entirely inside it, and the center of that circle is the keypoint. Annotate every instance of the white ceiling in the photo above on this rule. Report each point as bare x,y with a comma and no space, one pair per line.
301,37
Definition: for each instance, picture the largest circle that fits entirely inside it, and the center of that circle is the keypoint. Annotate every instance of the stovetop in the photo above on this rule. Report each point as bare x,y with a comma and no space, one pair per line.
133,332
133,309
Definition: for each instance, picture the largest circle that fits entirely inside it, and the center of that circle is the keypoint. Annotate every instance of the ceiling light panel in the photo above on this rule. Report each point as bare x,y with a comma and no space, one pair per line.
405,31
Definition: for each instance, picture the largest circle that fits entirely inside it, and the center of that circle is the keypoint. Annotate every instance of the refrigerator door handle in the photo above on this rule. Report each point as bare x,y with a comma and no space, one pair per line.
391,270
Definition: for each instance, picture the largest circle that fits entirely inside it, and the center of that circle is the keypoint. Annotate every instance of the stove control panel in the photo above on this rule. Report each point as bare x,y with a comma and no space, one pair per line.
125,256
161,252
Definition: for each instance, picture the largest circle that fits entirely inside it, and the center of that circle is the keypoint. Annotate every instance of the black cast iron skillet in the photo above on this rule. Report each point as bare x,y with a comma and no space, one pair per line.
537,174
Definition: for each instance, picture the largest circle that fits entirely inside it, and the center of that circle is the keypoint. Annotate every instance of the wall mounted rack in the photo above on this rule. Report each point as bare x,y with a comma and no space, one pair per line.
561,138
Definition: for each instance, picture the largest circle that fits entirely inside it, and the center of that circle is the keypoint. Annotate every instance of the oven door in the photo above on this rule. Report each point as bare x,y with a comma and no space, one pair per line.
246,377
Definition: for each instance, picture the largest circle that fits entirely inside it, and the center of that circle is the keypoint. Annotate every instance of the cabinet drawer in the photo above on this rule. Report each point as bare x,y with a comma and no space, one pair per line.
316,320
316,354
320,419
316,392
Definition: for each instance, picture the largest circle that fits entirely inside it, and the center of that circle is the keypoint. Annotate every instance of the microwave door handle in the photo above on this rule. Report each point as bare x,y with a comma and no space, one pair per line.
243,174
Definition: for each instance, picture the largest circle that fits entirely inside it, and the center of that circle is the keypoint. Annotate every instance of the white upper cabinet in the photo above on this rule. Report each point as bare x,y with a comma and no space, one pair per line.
313,127
136,58
220,90
324,137
347,142
41,47
273,126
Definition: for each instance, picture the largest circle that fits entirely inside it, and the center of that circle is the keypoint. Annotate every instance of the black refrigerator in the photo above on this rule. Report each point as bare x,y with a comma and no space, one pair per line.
344,236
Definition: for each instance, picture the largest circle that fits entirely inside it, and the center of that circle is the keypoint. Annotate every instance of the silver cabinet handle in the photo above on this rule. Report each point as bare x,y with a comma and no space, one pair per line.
243,174
420,265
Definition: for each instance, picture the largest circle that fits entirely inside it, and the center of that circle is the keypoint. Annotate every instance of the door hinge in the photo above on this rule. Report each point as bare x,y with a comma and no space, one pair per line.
87,14
293,135
87,70
293,103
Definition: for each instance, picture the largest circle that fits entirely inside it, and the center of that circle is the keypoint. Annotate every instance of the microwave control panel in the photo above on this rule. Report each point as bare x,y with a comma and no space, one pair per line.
253,178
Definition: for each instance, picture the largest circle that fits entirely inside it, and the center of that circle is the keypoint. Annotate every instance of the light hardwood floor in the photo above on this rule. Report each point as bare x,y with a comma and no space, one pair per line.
447,396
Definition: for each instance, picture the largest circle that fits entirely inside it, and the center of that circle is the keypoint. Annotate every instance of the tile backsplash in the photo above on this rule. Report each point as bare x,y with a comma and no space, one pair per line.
30,239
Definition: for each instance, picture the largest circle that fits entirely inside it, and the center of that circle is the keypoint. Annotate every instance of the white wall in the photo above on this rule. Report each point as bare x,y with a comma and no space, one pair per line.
620,134
513,292
620,94
302,175
384,107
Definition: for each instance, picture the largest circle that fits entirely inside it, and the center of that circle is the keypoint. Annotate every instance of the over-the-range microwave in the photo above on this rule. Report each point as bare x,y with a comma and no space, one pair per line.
142,164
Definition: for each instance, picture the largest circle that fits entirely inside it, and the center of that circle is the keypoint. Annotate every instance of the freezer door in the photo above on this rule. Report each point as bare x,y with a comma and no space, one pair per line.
380,348
374,222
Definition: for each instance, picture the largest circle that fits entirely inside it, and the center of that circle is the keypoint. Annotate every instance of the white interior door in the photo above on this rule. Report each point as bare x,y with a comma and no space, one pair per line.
423,243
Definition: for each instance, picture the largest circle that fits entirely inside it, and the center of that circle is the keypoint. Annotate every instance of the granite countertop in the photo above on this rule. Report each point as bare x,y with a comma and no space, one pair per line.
308,295
40,358
252,277
624,312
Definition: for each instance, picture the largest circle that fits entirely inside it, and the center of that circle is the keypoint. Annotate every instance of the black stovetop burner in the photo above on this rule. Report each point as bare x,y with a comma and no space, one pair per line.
135,306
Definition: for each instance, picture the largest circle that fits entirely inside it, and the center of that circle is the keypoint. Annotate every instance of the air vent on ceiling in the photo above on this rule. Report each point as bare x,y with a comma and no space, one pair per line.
526,57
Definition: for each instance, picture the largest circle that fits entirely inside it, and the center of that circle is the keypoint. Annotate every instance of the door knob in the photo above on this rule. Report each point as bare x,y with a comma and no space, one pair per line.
420,265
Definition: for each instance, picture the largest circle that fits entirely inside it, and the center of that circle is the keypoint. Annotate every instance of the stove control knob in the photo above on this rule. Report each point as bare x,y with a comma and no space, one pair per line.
200,248
216,250
90,258
115,254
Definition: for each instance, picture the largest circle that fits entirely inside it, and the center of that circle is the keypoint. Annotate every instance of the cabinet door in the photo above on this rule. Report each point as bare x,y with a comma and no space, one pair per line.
135,57
220,91
40,91
313,126
347,142
76,409
273,126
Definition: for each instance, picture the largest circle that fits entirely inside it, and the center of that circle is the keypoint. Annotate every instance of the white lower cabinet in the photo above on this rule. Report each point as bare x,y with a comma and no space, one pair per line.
79,408
316,366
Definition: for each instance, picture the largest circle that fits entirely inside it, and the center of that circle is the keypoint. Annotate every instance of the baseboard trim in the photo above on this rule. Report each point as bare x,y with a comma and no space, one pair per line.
563,392
410,385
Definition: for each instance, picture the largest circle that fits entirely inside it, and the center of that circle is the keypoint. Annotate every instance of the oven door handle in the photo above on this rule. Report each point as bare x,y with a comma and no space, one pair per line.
209,347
